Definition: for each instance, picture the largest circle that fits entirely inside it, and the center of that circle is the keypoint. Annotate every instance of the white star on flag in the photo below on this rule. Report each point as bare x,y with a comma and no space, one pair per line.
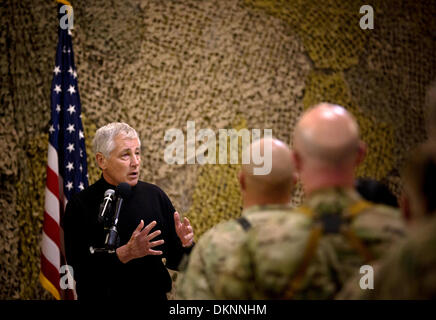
57,70
71,90
57,88
70,128
71,109
70,166
74,74
70,147
51,129
81,168
58,108
81,187
81,136
81,153
69,185
70,71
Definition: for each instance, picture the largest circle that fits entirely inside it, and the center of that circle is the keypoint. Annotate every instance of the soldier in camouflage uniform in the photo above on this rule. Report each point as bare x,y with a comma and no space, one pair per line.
311,252
263,196
409,272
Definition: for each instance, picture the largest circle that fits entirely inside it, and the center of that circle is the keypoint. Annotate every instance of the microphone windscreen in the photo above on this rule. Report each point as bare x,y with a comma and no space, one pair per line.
123,190
109,192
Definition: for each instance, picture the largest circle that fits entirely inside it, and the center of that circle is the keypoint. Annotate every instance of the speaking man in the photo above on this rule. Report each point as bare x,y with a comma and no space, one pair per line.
148,227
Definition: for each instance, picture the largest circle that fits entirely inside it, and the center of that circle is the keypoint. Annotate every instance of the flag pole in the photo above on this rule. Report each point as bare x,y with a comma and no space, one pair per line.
64,2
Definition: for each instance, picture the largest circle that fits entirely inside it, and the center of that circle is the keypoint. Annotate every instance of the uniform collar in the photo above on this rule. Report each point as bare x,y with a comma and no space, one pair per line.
268,207
334,199
335,192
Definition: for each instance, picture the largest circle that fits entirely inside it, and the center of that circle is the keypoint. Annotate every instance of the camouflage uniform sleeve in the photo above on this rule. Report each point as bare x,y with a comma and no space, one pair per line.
235,281
353,290
408,271
380,228
390,281
263,265
193,282
277,249
207,261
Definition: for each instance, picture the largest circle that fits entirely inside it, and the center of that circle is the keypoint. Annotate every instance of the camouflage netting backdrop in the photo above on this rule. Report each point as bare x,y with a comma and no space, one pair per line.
223,64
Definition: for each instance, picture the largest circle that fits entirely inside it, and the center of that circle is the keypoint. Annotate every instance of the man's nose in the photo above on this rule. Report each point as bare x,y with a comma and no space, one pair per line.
135,161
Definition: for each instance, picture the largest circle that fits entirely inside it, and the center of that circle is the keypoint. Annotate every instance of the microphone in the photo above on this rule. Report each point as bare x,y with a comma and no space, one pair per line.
122,192
106,205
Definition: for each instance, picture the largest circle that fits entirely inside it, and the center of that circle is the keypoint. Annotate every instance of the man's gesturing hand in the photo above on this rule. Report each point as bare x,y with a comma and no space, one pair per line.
140,243
184,230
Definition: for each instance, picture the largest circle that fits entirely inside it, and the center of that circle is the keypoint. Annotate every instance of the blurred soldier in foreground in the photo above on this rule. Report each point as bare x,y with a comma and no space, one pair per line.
409,272
263,196
311,252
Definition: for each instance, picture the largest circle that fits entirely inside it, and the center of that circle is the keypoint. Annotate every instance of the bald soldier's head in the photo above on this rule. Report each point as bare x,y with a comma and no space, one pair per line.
327,147
273,188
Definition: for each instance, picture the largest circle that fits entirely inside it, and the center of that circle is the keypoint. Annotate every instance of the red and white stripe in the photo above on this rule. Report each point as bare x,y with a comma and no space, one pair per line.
51,249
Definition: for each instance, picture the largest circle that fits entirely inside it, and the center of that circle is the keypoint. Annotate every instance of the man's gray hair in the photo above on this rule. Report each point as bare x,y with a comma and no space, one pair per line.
104,137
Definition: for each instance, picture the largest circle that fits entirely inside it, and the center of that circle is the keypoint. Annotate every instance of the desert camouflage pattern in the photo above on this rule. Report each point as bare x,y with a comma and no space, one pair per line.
208,257
408,272
268,264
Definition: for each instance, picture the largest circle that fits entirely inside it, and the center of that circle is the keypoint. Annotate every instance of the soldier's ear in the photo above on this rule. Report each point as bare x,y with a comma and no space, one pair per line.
241,179
405,206
296,160
361,153
295,177
101,160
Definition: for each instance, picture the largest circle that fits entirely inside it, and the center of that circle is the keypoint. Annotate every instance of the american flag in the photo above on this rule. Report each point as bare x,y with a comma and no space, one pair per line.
66,165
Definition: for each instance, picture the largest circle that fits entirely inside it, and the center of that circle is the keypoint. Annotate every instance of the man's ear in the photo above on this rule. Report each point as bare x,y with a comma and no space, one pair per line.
295,174
295,177
241,179
296,160
405,207
101,160
361,153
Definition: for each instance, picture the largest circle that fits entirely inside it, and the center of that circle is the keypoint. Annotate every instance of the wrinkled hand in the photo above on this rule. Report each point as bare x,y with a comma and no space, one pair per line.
184,230
140,243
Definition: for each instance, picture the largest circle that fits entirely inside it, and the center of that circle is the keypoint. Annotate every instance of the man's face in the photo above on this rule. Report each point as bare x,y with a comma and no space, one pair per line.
123,162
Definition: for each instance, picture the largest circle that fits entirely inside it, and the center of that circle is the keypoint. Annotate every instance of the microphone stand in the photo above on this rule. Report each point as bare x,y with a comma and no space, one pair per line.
112,235
100,250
